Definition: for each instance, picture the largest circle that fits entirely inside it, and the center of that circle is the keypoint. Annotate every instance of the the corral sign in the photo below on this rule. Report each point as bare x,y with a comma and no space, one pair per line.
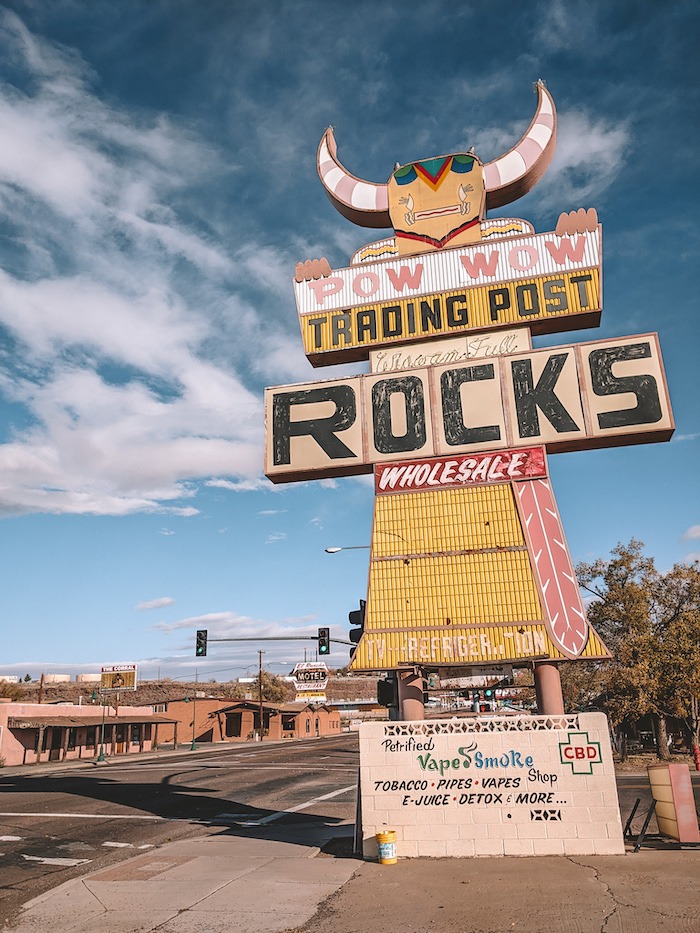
118,677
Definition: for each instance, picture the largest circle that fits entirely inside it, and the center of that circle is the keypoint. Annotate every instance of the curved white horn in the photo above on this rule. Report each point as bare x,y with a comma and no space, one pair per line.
362,202
513,174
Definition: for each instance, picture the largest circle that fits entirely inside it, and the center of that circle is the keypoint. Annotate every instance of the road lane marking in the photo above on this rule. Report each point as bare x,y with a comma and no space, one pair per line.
302,806
101,816
205,821
260,766
64,862
231,817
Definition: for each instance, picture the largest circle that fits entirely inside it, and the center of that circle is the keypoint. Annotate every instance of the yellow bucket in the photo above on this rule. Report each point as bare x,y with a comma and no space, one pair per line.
386,844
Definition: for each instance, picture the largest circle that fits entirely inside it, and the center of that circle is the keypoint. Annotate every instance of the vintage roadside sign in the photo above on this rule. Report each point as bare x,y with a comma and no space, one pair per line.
118,677
568,398
469,565
549,282
310,677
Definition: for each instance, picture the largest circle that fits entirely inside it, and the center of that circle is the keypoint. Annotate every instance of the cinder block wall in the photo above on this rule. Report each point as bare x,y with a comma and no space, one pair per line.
524,785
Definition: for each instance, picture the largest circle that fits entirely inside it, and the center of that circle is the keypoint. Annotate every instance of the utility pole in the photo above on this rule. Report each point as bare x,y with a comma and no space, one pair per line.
260,695
193,746
101,756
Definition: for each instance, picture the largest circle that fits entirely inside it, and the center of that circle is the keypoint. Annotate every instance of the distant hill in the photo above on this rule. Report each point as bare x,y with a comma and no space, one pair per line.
152,692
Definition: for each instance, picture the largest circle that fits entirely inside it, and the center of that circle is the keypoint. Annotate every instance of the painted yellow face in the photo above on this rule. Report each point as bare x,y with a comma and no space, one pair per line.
437,203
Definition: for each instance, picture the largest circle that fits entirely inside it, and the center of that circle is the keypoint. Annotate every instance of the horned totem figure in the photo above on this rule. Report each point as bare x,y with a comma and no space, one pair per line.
442,202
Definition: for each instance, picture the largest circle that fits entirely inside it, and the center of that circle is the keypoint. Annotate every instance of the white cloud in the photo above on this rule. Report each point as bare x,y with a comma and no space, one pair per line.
113,356
229,624
563,23
589,156
692,533
275,536
248,485
158,603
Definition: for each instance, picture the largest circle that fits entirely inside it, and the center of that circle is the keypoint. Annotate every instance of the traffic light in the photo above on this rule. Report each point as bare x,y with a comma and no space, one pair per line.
357,618
388,691
324,641
200,650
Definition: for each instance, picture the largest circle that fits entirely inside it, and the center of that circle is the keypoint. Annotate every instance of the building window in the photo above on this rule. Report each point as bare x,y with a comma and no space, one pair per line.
308,725
136,733
233,725
71,739
90,737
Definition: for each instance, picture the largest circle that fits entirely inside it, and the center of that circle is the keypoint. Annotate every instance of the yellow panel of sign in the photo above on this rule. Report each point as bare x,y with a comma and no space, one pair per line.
446,520
458,646
451,583
349,334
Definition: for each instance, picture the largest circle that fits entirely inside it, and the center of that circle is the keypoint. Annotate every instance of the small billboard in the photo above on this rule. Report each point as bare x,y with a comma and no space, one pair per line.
118,677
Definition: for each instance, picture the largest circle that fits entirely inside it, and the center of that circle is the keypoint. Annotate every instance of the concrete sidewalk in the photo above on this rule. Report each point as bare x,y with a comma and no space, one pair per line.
211,884
235,884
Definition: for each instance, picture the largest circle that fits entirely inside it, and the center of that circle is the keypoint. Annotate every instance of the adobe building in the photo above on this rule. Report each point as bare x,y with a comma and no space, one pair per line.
207,719
33,733
241,721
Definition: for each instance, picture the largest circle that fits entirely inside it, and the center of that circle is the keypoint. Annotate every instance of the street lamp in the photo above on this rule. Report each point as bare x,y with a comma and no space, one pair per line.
363,547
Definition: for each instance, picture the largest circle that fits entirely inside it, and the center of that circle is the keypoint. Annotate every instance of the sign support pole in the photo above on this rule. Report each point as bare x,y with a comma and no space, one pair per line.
411,706
550,699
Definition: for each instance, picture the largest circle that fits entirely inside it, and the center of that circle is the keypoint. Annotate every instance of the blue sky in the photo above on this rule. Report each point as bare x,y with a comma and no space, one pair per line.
158,185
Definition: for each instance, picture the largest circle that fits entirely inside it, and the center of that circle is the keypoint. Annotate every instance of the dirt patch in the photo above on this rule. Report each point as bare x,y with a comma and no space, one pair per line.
340,847
639,763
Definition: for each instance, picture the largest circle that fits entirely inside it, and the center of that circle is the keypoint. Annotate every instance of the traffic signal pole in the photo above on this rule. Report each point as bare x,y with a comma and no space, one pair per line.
260,691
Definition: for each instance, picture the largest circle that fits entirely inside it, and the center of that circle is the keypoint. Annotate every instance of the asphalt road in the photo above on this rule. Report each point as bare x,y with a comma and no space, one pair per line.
57,824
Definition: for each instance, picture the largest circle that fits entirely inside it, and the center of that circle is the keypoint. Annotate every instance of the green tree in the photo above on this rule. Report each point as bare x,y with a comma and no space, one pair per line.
274,689
583,683
651,623
27,678
679,622
11,691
